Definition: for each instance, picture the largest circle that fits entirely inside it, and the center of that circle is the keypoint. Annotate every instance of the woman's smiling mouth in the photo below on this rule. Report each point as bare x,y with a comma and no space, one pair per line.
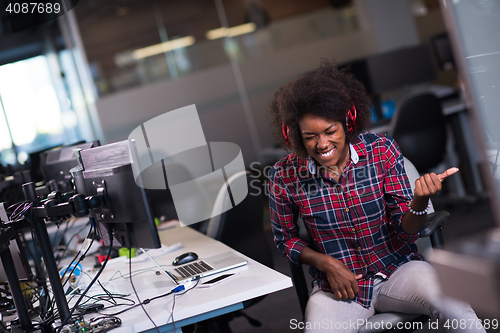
328,153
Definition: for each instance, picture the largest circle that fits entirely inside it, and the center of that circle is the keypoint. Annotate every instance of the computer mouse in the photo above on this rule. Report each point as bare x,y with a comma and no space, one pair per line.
185,258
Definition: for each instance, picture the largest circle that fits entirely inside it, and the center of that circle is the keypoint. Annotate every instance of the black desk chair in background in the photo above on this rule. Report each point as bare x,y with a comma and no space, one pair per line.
419,128
430,238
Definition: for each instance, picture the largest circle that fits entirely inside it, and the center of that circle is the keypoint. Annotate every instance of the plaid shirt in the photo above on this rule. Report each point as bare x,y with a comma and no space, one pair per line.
357,220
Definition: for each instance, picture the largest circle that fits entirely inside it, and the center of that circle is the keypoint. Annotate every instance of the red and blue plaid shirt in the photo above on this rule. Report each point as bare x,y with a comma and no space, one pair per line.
356,220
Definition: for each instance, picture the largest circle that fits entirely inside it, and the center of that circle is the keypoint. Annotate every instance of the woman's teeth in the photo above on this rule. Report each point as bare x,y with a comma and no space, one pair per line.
328,154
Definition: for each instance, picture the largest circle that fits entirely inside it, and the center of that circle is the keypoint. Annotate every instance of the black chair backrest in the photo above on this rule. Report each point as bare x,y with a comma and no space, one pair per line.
420,131
242,227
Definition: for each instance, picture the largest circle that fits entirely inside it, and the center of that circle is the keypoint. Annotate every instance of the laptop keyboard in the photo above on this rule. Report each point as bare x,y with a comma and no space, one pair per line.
193,269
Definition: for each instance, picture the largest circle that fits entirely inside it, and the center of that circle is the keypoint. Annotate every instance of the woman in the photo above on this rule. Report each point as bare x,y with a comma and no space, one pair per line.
351,190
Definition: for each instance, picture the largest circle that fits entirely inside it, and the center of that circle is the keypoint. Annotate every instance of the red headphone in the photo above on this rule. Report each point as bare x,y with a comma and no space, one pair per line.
285,130
350,122
350,118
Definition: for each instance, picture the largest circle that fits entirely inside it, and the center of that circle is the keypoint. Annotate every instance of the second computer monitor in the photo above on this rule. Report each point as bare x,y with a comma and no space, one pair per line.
55,164
107,171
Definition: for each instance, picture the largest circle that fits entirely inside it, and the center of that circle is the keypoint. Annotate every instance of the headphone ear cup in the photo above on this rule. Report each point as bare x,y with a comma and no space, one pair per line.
351,119
286,131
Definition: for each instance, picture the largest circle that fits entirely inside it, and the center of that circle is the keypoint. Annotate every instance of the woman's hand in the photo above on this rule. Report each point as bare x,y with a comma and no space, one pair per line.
425,186
429,184
342,281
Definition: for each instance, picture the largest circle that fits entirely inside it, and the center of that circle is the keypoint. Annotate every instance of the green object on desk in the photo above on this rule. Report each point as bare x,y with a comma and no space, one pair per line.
157,221
123,251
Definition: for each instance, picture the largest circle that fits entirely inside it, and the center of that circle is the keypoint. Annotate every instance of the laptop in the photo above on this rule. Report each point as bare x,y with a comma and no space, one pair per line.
203,267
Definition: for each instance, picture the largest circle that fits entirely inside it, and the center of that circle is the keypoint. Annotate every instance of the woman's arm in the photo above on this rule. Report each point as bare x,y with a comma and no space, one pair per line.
283,214
411,223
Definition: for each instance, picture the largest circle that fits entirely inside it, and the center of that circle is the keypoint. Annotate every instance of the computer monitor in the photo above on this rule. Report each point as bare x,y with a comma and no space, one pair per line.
162,204
388,71
400,68
20,261
359,68
107,171
55,164
34,163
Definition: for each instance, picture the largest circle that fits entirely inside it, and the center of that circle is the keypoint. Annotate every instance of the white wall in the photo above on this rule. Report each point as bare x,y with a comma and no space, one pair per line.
392,23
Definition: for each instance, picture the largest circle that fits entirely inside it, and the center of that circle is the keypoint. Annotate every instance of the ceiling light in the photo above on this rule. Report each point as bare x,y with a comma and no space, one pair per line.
231,32
163,47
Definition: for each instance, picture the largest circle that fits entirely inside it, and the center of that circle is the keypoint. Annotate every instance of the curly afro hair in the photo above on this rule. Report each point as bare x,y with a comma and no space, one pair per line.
328,93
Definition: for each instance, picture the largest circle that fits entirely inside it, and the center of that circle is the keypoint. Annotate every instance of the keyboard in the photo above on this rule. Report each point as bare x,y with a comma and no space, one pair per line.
193,269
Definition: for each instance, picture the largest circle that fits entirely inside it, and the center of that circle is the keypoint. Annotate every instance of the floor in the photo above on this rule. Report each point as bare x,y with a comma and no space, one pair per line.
277,312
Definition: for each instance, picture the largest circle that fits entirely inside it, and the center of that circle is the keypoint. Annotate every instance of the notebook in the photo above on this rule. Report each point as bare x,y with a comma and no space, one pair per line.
205,267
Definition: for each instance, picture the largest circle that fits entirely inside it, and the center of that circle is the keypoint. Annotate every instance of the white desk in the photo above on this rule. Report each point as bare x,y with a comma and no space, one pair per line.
253,280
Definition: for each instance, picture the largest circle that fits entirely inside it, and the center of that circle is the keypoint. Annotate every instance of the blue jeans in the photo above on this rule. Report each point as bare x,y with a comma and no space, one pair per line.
412,288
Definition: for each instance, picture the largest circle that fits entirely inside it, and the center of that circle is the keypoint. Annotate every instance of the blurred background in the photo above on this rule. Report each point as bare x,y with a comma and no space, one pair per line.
106,66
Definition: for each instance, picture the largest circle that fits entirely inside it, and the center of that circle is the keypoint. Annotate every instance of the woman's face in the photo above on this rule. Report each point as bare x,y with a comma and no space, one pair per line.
324,139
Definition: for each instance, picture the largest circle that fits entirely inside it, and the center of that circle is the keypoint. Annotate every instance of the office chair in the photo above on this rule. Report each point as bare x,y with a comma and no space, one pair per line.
430,238
162,201
242,228
419,128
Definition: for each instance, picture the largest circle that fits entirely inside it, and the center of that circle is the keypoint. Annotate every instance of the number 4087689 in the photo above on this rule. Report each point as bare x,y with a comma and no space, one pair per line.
33,8
471,323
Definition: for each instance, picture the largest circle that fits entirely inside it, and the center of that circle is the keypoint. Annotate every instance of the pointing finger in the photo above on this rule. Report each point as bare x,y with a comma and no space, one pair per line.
447,173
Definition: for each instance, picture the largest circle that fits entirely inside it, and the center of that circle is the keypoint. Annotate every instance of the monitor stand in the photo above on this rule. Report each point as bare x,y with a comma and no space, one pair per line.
159,266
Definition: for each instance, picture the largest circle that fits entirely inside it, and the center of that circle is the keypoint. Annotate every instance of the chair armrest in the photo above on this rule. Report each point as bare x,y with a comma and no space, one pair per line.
299,281
434,221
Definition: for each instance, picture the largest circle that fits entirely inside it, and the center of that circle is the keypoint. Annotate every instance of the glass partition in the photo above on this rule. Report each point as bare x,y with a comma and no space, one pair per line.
34,119
40,94
473,25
